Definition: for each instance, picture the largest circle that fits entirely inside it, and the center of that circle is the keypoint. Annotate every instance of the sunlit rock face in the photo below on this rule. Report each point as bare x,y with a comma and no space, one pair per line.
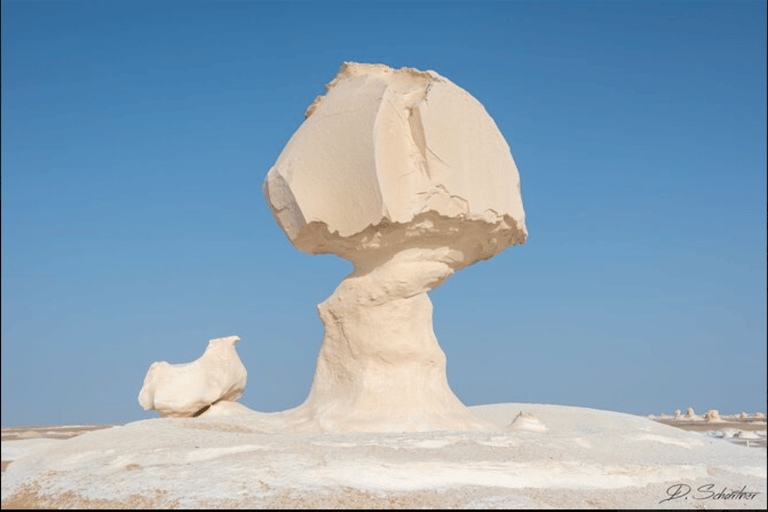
387,156
407,176
188,389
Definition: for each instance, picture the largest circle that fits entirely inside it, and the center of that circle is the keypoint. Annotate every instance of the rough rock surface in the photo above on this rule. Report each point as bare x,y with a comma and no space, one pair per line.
407,176
186,390
388,157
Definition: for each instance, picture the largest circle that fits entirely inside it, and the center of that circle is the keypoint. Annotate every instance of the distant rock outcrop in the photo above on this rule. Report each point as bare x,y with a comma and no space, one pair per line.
690,414
712,416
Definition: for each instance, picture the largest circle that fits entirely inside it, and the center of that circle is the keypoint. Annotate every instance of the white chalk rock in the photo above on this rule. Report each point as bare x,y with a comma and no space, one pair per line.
690,414
713,416
186,390
527,421
388,155
407,176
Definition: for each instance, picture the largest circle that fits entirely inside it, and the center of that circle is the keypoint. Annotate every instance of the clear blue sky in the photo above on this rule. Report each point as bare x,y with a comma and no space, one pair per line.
136,136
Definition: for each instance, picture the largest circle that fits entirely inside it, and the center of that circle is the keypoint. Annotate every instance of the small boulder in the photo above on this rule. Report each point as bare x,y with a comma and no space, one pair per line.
186,390
527,421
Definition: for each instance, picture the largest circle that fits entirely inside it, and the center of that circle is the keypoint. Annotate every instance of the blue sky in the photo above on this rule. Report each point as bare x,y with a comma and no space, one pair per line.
136,136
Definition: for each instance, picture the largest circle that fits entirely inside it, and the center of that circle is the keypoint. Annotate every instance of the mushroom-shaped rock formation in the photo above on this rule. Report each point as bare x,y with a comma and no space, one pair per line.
713,415
187,390
407,176
690,414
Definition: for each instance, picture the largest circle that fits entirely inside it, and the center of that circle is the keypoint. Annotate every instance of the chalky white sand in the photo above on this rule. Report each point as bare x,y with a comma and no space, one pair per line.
584,458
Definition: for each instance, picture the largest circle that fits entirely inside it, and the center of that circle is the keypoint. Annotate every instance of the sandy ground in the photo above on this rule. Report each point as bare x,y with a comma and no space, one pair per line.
56,432
582,462
746,425
45,432
735,424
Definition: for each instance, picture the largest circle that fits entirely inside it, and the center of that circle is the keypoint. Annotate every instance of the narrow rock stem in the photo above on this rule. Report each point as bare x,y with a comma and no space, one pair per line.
380,367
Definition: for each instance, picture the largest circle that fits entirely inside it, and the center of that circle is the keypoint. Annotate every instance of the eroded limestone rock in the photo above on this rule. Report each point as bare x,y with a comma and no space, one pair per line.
713,415
395,158
690,414
407,176
189,389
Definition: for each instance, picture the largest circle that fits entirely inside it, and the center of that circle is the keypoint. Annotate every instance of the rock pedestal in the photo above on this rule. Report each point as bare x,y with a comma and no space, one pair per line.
406,175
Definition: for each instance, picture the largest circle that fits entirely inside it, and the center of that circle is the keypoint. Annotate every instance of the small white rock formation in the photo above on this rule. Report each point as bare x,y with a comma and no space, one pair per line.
527,421
678,414
690,414
406,175
712,416
187,390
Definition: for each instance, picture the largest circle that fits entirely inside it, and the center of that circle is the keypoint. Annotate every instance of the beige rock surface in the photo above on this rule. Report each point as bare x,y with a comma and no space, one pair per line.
185,390
407,176
382,149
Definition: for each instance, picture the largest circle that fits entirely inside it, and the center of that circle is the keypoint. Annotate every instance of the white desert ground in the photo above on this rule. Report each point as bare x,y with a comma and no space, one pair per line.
549,457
